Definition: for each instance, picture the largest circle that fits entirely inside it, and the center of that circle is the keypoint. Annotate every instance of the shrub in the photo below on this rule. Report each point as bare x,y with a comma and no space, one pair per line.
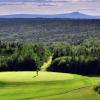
97,88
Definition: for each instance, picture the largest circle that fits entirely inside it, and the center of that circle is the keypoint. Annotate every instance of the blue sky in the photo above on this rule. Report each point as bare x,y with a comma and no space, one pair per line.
91,7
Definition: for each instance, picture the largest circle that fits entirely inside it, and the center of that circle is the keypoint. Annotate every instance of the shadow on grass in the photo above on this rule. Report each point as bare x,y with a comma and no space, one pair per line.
35,76
2,84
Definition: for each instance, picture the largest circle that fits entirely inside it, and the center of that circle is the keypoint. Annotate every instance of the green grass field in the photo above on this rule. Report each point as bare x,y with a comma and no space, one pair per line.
46,86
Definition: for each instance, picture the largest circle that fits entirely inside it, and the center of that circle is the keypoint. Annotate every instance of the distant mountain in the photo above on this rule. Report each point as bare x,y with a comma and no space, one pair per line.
73,15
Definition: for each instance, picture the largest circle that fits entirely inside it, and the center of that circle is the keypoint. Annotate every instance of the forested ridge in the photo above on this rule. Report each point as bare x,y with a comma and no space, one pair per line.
49,30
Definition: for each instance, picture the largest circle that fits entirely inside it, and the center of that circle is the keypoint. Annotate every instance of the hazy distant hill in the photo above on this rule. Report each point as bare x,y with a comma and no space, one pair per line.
73,15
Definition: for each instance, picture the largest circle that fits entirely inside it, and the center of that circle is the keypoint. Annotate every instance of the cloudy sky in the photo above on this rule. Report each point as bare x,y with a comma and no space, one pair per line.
91,7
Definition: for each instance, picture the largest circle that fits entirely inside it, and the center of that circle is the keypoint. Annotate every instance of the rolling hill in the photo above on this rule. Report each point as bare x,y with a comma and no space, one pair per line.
73,15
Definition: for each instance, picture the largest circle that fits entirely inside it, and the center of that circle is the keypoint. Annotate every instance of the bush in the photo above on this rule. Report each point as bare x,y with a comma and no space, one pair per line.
97,88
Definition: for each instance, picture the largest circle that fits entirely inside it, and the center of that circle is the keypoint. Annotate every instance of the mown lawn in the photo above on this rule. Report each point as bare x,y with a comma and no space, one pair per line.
46,86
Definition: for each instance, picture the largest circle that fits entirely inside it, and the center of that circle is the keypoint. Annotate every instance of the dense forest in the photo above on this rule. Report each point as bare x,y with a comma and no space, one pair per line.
49,30
25,44
21,57
83,58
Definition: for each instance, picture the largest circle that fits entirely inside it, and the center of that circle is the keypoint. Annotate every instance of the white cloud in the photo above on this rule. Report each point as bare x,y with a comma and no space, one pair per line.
49,6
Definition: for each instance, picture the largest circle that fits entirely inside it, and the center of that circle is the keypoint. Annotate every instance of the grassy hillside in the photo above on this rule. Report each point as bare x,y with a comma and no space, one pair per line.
49,30
46,86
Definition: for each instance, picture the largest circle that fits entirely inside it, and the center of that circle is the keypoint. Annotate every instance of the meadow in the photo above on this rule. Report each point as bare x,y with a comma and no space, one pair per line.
47,86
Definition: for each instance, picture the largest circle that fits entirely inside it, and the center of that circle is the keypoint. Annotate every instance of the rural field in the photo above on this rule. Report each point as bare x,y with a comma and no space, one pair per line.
47,86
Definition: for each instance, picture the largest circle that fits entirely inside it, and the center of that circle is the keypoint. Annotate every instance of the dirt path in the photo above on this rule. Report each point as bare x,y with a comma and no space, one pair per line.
46,64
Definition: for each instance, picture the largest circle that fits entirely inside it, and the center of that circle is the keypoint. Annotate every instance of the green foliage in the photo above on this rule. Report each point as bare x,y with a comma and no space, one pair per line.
22,56
90,48
83,58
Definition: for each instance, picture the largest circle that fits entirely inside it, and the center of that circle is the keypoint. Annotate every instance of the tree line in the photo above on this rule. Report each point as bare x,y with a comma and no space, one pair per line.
82,58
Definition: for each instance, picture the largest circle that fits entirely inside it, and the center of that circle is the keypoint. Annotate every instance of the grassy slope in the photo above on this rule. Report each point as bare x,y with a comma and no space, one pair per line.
46,86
